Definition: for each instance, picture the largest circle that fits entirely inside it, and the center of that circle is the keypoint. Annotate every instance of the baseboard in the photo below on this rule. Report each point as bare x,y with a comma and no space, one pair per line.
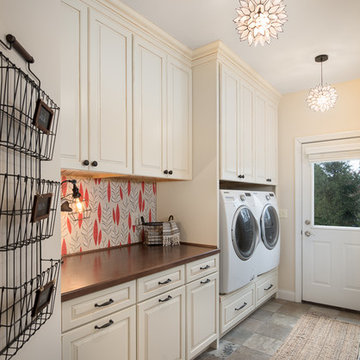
286,295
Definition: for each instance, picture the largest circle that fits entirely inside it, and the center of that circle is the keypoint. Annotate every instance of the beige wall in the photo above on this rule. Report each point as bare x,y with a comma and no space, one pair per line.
36,25
297,120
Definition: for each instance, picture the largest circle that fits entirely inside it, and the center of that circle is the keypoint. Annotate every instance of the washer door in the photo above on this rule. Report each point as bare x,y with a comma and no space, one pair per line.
269,227
244,233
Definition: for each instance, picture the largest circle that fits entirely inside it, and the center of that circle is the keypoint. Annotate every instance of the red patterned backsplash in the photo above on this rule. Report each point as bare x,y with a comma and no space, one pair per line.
116,206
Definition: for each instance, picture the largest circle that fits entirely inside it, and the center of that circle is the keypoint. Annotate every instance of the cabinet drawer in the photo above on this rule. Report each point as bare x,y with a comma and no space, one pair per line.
235,307
112,337
158,283
266,286
197,269
90,307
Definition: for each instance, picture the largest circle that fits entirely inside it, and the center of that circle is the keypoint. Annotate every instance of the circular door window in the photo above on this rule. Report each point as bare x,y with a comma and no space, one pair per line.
244,233
270,227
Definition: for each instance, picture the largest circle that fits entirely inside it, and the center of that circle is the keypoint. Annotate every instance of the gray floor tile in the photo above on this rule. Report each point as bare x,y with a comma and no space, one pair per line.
245,353
275,331
284,320
263,344
251,324
272,306
261,315
238,335
328,311
226,348
294,309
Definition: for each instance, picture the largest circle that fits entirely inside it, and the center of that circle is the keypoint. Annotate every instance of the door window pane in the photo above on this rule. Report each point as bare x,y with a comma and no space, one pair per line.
337,193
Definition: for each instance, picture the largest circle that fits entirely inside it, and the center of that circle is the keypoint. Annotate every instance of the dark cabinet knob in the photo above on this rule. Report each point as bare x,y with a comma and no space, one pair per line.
94,163
241,176
86,162
268,180
170,172
166,172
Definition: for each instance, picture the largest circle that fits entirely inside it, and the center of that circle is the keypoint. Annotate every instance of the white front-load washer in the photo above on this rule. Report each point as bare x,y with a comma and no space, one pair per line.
268,251
239,238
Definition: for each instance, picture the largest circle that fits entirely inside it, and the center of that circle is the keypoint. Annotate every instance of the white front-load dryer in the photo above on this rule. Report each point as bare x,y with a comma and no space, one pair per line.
268,251
239,238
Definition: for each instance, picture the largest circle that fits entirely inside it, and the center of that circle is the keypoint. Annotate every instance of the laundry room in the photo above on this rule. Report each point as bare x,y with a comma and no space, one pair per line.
180,180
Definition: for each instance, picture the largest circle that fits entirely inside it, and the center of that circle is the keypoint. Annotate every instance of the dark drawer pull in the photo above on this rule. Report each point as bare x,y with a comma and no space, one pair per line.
241,307
104,326
167,299
205,267
271,285
205,281
164,282
106,303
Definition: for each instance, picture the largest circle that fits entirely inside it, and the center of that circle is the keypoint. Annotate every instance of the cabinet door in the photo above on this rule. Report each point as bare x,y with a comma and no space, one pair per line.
272,144
161,327
260,138
179,120
149,109
246,134
74,86
229,110
110,95
116,341
202,314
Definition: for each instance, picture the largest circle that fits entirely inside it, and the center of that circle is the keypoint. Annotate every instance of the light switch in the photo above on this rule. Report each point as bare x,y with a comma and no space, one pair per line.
283,213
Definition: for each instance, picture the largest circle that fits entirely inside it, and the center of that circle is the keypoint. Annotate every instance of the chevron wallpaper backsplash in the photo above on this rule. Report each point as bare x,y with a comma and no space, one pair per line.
116,206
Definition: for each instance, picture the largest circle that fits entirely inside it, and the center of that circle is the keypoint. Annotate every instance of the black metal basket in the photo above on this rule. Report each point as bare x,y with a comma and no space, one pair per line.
18,320
19,95
17,194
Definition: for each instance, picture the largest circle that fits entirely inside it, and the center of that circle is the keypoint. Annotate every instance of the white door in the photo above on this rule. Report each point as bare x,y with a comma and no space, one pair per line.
179,123
331,223
229,108
246,134
74,85
271,144
161,327
202,314
260,138
112,338
110,140
149,109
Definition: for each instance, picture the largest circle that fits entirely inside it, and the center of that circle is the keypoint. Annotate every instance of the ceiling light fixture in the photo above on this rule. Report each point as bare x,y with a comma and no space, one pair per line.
322,97
260,20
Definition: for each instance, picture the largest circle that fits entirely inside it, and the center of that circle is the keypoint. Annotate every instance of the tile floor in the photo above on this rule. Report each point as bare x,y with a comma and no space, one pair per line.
262,333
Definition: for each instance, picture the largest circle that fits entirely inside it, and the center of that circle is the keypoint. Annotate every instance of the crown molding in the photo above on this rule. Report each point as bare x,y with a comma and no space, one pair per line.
219,51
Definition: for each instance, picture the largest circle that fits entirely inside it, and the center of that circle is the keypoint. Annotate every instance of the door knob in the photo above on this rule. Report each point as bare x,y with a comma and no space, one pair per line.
86,162
94,163
307,222
308,233
166,172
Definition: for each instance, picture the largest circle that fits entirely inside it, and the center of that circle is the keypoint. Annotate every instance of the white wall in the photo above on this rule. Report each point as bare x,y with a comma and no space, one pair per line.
35,23
297,120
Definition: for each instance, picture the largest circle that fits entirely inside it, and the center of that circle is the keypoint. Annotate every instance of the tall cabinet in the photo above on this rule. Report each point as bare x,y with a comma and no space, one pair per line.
126,94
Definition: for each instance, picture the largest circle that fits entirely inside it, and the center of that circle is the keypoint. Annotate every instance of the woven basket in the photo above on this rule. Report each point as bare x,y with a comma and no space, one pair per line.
153,232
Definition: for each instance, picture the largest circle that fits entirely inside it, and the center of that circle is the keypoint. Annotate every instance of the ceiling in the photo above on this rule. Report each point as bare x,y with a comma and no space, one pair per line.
314,27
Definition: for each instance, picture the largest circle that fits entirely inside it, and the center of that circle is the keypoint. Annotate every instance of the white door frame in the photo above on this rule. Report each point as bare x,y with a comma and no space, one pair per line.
298,198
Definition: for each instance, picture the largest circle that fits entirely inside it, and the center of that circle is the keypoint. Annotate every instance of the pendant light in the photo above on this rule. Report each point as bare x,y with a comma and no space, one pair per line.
260,20
322,97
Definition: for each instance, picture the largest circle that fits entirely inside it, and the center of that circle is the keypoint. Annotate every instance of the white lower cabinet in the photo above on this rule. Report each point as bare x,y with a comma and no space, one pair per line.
112,338
169,315
161,327
202,314
239,304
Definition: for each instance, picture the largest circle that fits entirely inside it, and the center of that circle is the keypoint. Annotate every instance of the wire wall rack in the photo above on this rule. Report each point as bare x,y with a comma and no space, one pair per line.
28,203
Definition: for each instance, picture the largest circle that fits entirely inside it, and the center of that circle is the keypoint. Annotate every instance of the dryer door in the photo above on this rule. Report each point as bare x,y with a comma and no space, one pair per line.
244,232
269,226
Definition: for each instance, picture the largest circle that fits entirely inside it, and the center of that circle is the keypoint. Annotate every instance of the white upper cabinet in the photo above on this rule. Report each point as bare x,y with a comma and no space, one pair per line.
229,107
126,98
179,120
74,85
248,131
260,138
162,113
110,75
149,109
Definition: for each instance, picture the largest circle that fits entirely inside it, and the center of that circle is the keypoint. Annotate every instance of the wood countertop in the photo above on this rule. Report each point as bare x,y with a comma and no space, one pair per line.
84,273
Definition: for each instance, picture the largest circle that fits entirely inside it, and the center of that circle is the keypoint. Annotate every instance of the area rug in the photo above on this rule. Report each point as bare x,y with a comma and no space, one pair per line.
316,336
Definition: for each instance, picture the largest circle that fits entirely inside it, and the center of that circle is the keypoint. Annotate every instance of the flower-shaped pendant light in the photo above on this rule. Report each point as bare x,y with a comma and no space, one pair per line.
260,20
322,97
